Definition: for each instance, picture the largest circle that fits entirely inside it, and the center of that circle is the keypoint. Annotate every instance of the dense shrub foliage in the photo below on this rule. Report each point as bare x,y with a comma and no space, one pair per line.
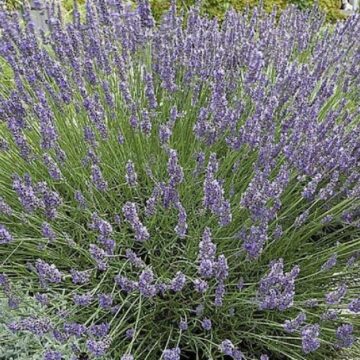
183,190
219,7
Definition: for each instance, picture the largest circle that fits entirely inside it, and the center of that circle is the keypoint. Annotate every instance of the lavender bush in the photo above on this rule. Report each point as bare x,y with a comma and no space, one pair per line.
182,189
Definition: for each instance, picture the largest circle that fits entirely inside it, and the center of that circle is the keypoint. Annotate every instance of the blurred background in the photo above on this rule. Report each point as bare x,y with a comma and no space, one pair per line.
217,8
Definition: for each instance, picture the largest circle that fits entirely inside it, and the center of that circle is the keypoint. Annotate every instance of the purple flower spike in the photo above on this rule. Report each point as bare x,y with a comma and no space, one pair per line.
345,336
5,236
127,357
131,176
98,347
105,301
183,325
131,216
178,282
97,178
175,171
334,297
293,325
172,354
48,232
277,290
206,324
310,341
330,263
146,286
47,273
52,355
80,277
354,306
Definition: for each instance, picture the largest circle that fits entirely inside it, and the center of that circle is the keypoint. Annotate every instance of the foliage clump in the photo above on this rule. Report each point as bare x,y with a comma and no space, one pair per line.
183,189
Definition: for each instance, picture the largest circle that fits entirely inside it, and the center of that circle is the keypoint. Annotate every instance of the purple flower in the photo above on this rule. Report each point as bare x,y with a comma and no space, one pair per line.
105,301
294,324
330,263
178,282
134,259
221,268
147,21
214,199
206,324
277,290
309,336
131,176
182,225
98,347
100,330
152,201
74,329
165,132
201,285
254,240
171,354
26,193
13,302
149,90
207,251
145,124
97,178
354,306
219,293
334,297
175,171
79,197
301,219
127,357
228,349
47,231
37,326
344,336
183,325
83,299
47,273
130,333
99,256
131,216
5,208
120,138
52,355
50,200
145,284
5,236
311,303
80,277
101,226
52,167
126,284
43,299
329,315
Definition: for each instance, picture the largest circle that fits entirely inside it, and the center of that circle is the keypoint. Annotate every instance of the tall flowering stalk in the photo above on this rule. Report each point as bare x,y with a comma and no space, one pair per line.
187,172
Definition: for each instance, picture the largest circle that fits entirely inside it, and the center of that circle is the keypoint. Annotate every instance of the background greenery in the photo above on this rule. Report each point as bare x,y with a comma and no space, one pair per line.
218,7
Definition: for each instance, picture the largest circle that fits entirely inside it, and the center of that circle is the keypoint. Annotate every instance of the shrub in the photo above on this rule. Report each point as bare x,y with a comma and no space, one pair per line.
183,189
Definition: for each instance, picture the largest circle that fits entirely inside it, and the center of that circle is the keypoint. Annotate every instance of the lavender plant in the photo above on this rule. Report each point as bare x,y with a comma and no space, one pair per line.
181,189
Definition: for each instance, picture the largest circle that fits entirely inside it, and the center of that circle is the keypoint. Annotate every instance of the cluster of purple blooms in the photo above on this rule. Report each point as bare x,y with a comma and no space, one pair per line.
277,290
243,138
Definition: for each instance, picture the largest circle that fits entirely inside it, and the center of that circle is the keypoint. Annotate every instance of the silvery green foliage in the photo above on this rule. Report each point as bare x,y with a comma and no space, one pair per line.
182,187
24,345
